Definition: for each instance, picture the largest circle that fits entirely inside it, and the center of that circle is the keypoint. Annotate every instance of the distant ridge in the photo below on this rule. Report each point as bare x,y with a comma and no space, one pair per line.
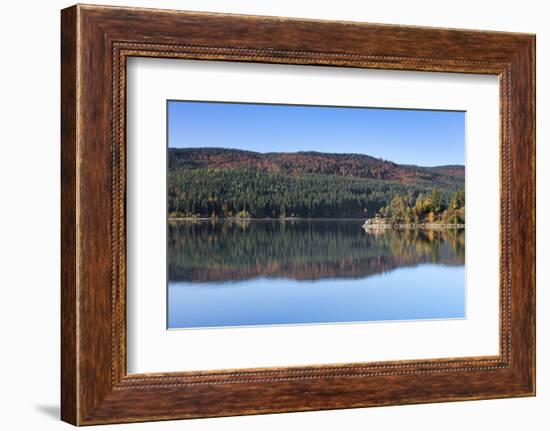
311,162
451,170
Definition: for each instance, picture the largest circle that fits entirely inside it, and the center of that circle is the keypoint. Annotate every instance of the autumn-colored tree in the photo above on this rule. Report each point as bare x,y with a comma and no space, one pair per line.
397,209
436,200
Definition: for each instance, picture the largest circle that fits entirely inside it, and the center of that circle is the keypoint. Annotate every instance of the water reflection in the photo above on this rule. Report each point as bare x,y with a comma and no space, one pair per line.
230,250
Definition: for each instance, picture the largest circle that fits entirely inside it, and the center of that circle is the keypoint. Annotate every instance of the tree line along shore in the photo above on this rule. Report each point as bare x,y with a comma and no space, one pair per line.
233,184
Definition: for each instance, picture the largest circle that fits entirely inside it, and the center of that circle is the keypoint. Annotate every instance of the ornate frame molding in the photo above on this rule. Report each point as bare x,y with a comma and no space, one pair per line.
96,41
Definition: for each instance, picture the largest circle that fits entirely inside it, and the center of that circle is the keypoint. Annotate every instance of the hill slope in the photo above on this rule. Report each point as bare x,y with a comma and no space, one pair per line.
347,165
226,182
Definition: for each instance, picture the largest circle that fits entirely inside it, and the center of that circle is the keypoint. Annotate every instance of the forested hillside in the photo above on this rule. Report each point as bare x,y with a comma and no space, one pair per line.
216,182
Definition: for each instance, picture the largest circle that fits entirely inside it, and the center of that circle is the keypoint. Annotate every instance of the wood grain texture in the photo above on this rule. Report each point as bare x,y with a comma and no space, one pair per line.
69,367
96,41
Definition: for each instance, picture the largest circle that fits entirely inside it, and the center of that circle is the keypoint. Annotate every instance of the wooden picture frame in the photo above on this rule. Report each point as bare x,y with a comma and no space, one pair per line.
95,43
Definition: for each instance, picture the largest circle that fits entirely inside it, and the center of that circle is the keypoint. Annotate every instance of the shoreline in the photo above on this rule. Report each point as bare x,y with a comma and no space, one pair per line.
261,218
366,226
383,226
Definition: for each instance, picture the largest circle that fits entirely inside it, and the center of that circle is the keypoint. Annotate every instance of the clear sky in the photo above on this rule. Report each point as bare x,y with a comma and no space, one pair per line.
418,137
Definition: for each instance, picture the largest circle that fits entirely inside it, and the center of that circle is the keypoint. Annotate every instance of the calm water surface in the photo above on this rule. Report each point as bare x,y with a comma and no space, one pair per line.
270,272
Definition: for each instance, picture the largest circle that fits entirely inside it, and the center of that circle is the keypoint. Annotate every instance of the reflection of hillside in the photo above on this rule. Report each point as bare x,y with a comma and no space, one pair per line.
303,250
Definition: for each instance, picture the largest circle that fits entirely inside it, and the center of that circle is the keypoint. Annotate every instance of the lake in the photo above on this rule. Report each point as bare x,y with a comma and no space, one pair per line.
278,272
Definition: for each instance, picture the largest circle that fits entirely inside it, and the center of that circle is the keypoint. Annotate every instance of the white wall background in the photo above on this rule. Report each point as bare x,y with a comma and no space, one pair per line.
29,215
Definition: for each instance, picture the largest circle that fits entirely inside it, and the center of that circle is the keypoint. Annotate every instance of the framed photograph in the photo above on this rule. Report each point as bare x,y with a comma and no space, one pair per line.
266,215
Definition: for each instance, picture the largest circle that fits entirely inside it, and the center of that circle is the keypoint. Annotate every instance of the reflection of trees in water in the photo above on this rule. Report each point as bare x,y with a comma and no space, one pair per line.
301,249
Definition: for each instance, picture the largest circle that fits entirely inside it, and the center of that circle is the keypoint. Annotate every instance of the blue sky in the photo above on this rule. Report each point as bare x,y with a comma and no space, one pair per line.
419,137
